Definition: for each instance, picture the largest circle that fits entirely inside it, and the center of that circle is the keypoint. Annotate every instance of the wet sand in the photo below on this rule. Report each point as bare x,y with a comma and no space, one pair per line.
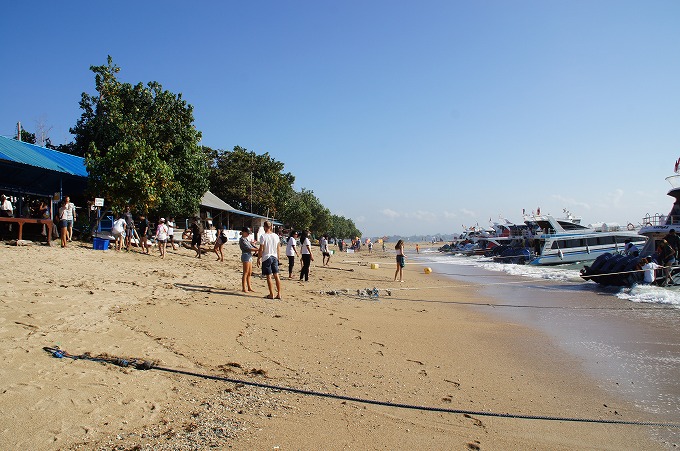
631,349
422,345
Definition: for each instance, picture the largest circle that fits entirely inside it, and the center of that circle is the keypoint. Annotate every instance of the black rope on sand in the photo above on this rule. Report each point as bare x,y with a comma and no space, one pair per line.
141,364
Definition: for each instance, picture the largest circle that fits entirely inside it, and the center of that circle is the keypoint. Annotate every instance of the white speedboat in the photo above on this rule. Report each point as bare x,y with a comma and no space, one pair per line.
565,240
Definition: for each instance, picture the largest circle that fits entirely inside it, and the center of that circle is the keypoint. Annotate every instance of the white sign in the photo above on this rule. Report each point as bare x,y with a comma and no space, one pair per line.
98,201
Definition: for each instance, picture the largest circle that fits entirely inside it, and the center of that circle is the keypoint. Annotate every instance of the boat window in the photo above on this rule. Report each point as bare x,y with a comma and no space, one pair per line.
567,225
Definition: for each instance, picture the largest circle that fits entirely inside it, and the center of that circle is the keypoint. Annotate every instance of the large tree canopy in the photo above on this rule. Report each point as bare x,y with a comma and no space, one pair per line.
250,182
258,183
140,146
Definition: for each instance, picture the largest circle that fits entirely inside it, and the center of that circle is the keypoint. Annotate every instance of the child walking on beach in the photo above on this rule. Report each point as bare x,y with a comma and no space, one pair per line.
401,261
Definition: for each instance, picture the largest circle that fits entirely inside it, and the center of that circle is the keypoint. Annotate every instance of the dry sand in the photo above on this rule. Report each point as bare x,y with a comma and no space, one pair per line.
419,346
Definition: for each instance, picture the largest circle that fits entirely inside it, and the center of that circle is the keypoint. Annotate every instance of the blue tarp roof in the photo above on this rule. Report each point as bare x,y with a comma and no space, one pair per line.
32,155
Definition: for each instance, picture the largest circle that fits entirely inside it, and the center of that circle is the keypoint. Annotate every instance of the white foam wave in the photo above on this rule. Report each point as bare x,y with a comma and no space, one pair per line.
565,273
648,293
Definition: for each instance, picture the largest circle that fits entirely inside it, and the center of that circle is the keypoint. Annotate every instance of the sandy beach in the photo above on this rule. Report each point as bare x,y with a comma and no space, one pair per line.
418,343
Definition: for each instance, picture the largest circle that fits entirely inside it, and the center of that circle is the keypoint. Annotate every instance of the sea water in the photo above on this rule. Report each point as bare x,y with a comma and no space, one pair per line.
627,338
559,273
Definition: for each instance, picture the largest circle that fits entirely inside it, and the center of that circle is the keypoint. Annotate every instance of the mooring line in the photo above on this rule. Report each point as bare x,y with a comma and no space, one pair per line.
141,364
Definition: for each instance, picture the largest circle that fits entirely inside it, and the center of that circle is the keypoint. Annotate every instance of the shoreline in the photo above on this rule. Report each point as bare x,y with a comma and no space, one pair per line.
413,347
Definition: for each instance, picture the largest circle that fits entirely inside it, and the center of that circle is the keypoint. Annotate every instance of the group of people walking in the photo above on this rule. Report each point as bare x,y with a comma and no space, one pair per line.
125,233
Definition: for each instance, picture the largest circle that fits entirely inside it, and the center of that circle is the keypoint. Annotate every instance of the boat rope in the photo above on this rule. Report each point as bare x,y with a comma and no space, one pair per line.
142,364
625,272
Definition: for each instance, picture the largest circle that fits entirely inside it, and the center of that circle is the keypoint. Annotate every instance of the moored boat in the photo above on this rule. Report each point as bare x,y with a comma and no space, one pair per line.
565,240
611,269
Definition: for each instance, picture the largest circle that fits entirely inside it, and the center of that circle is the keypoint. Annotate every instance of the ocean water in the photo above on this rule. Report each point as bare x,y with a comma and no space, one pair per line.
560,273
628,339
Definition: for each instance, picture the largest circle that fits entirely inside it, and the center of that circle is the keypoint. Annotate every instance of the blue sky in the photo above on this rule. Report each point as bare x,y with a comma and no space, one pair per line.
408,117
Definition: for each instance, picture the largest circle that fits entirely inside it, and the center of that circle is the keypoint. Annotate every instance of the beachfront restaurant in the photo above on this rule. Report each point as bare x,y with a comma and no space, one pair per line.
35,179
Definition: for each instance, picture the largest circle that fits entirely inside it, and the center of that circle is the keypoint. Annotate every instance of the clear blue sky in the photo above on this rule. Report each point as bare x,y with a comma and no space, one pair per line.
408,117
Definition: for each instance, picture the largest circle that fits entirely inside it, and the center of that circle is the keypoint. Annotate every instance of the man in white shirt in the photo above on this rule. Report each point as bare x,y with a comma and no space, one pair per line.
268,256
6,212
326,254
70,217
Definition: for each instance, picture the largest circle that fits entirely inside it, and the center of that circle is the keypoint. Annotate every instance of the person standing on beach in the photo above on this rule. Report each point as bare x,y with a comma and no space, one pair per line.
144,234
162,236
129,227
196,236
307,256
401,261
118,231
63,222
70,217
268,257
291,252
171,232
325,253
247,249
417,248
220,241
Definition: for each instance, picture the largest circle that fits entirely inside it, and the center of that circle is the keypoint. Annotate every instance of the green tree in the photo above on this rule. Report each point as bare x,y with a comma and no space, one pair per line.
250,182
296,213
140,145
343,228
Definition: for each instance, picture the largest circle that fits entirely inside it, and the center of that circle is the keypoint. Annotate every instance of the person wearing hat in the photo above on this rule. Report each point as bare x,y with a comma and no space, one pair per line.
162,236
247,249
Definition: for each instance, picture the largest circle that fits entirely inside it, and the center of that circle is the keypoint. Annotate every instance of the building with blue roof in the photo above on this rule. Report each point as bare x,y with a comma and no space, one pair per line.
28,171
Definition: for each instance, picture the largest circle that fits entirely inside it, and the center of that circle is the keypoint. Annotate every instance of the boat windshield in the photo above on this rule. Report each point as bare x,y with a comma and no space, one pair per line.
674,180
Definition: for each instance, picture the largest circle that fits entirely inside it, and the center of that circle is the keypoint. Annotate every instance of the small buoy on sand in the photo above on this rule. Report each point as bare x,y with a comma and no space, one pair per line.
427,270
375,266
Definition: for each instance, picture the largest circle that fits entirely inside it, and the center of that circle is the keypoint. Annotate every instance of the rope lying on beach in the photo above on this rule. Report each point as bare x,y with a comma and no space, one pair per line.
142,364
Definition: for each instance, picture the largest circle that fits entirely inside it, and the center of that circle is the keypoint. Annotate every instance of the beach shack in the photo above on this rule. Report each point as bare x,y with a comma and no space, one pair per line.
214,211
30,174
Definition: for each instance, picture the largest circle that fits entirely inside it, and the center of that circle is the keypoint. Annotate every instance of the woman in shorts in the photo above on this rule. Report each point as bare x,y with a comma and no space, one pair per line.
162,236
220,241
247,249
401,261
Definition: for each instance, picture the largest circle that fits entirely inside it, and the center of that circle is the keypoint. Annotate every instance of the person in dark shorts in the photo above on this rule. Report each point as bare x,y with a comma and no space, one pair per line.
401,261
268,256
196,236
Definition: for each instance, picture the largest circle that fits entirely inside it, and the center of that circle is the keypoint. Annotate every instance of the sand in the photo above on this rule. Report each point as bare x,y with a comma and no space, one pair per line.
417,343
